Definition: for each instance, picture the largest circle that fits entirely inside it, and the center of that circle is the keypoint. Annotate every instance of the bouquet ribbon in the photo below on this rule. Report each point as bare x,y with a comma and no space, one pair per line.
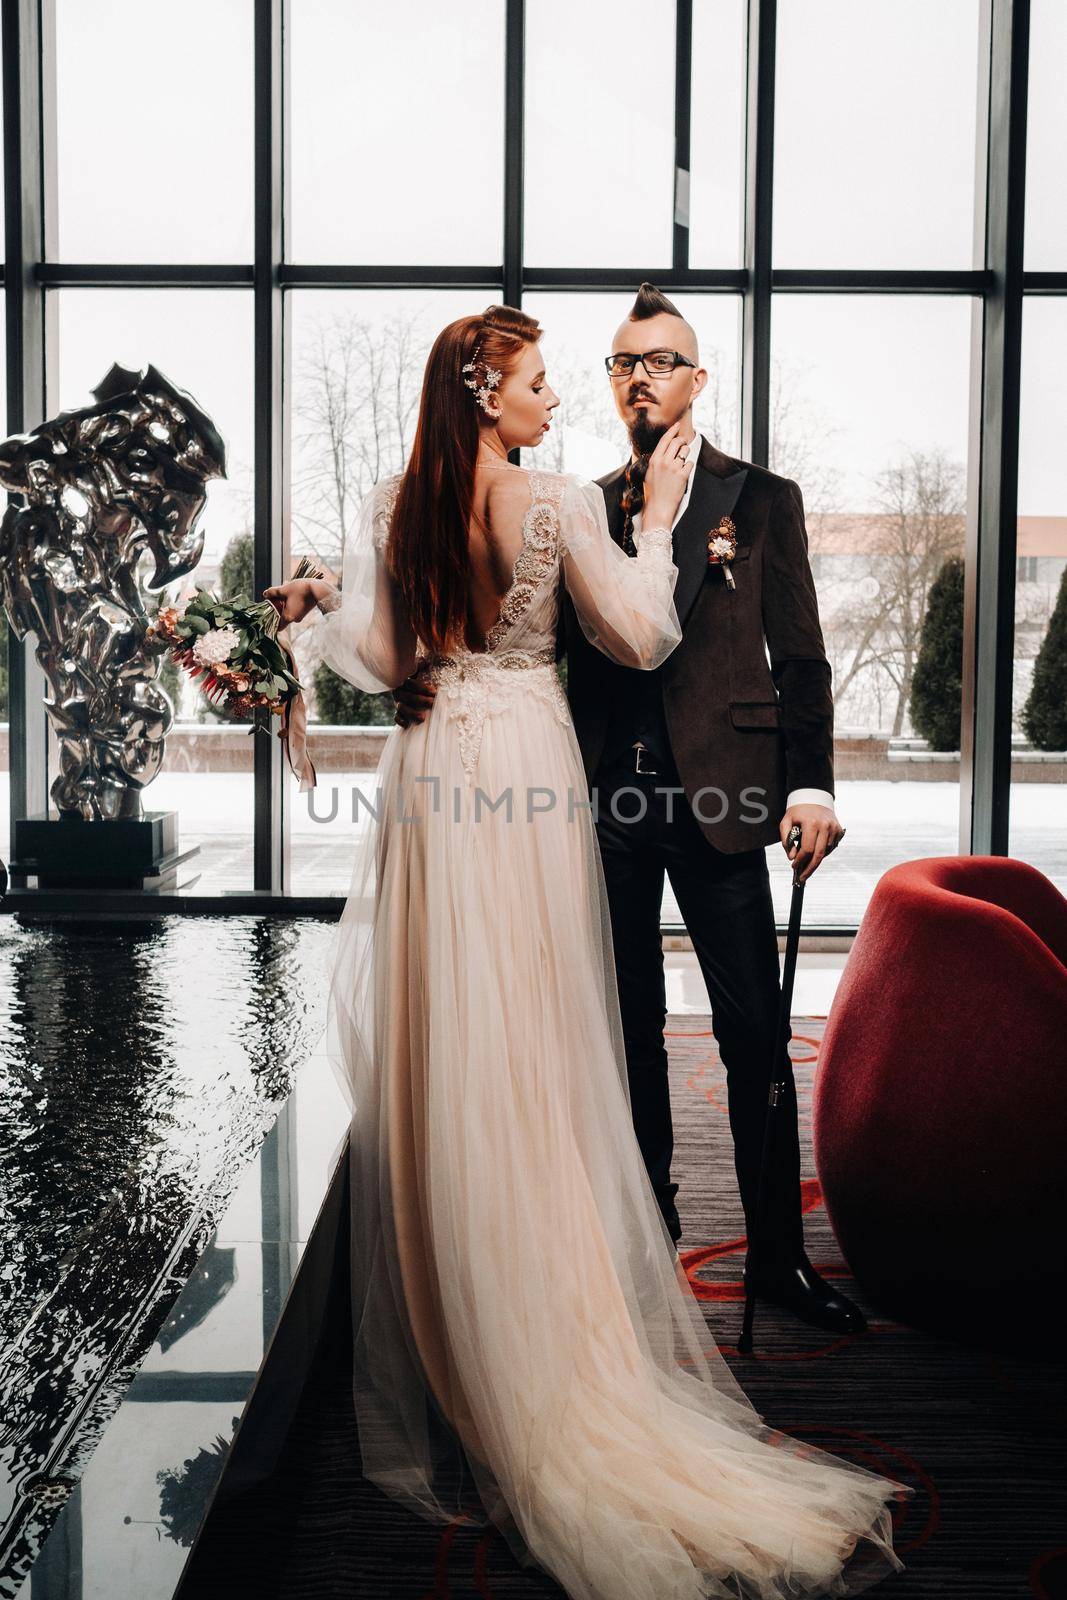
293,723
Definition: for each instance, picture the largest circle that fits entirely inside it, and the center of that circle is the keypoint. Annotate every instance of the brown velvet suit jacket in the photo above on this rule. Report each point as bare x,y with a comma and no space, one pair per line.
746,694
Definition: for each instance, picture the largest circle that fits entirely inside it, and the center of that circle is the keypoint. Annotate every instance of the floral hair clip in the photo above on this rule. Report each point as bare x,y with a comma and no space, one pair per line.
481,391
722,548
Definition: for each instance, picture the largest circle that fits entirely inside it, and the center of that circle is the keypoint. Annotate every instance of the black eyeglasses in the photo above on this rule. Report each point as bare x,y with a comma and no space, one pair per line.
657,363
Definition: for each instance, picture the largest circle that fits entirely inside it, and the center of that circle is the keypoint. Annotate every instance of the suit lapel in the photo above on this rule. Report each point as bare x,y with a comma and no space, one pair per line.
718,483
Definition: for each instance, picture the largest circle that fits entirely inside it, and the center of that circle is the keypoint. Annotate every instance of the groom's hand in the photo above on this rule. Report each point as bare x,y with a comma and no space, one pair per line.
820,832
414,701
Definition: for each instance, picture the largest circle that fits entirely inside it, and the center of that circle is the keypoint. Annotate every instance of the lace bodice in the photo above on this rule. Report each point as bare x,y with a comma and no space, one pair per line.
625,607
473,681
537,565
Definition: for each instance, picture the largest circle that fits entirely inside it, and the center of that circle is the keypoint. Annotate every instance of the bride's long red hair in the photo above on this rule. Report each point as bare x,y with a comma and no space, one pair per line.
428,551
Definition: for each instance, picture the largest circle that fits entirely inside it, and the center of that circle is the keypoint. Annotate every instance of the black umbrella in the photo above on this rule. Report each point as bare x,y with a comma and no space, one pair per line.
777,1084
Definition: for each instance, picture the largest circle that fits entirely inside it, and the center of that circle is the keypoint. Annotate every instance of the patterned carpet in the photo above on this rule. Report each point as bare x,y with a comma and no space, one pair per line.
980,1434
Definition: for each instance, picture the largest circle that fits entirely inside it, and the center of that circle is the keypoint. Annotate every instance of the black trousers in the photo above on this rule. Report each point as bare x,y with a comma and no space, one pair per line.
725,901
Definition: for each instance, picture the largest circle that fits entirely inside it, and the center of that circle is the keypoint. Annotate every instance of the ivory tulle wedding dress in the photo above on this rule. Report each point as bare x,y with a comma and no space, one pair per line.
524,1332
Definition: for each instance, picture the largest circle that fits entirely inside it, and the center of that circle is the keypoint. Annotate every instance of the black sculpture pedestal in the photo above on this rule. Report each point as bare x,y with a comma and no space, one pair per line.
64,852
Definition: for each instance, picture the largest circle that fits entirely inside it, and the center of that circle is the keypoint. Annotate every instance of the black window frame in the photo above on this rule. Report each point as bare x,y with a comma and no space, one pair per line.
997,289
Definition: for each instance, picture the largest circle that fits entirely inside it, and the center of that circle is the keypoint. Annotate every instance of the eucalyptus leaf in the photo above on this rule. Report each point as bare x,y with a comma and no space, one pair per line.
273,655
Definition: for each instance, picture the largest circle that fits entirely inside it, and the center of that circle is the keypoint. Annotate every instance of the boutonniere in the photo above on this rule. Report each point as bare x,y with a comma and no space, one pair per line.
722,548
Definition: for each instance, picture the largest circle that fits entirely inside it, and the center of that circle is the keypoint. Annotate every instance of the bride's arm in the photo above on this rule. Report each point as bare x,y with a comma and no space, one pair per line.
364,631
625,605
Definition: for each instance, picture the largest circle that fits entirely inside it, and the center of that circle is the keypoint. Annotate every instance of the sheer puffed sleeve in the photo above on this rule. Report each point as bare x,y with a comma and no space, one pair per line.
363,631
624,604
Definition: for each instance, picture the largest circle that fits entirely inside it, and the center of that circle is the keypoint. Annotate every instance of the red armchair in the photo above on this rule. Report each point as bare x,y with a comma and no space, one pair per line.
940,1104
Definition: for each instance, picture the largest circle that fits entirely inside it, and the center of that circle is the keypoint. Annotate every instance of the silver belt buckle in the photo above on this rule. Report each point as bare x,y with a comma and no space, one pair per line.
647,772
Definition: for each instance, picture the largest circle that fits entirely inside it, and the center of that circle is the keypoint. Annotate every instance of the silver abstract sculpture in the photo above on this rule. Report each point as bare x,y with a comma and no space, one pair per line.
102,486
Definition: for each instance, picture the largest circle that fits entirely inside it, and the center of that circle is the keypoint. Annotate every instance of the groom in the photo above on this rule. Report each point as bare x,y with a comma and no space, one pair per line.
696,767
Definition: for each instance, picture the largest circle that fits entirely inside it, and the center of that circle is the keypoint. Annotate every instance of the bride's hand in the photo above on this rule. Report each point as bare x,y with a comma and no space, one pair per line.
666,478
292,601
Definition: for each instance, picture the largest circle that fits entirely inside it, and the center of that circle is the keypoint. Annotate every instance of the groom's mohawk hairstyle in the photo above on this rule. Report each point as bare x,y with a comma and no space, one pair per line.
651,302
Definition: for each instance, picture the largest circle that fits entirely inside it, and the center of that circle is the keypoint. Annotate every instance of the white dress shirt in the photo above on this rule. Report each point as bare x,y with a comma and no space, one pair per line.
796,797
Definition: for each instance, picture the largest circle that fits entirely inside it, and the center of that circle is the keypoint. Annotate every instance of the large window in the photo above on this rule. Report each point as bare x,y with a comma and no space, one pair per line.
869,415
716,199
357,361
591,95
397,132
281,203
1039,722
154,131
202,340
1046,215
875,133
1039,689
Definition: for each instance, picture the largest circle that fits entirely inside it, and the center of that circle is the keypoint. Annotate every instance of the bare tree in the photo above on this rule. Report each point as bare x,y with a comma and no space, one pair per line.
874,611
715,413
802,440
356,395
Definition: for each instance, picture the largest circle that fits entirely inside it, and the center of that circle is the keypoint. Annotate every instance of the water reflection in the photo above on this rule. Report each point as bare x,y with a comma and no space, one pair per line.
141,1066
186,1490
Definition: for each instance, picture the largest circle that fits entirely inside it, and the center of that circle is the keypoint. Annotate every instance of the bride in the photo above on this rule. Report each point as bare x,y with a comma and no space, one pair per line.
523,1327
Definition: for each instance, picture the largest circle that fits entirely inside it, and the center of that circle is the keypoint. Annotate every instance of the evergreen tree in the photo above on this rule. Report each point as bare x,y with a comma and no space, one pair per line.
169,678
236,568
937,685
1045,713
235,577
4,636
341,705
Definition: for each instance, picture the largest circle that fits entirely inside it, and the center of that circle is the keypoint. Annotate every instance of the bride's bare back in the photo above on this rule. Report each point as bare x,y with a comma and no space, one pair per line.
501,501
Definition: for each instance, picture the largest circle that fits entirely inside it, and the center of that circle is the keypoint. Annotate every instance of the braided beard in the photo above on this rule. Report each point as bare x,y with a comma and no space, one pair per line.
644,436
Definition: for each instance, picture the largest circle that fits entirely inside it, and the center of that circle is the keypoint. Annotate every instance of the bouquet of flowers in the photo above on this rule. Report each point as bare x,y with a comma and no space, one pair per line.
243,660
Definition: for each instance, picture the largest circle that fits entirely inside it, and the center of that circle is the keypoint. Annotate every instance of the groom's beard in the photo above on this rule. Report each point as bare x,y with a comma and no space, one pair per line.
645,435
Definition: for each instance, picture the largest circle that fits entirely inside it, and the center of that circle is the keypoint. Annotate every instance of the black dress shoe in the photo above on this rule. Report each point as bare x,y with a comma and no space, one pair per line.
795,1284
668,1209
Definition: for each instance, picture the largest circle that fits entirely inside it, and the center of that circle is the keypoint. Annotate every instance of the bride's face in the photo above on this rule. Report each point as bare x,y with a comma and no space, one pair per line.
526,401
